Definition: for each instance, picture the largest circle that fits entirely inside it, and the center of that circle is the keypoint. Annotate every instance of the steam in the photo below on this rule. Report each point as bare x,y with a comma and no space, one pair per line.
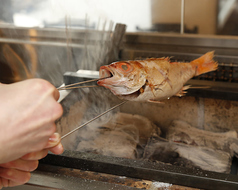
81,106
124,135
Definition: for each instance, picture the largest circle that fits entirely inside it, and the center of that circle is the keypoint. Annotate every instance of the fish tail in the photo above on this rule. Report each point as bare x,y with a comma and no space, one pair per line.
204,64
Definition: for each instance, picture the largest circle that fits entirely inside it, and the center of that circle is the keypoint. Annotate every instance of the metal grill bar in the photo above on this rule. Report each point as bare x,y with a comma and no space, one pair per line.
144,170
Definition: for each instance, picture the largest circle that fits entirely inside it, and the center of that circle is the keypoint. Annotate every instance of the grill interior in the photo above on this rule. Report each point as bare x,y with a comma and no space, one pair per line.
222,96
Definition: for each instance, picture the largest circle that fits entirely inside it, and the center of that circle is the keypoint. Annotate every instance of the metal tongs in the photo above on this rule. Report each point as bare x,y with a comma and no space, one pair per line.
75,86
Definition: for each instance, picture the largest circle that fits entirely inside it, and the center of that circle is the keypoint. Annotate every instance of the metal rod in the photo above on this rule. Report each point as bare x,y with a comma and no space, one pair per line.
41,186
116,106
44,43
77,83
69,88
182,17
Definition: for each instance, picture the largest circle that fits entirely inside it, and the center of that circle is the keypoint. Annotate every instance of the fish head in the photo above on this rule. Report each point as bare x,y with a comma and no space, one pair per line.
123,78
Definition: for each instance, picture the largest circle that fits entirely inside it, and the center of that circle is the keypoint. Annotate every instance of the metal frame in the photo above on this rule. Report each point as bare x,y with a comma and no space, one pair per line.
141,169
180,47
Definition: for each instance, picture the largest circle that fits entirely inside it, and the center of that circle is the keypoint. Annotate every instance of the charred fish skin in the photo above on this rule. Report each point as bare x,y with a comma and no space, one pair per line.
153,79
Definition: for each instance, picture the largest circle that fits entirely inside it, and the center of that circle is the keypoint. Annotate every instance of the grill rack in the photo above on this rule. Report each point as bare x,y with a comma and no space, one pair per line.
185,48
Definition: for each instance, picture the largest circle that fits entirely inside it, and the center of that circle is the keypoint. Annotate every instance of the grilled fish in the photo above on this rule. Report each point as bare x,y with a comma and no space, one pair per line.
153,79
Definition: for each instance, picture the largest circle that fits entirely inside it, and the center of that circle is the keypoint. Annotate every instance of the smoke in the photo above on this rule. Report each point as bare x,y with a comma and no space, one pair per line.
119,142
81,106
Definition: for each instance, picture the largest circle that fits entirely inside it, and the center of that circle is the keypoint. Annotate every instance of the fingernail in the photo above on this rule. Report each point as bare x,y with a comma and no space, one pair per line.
55,137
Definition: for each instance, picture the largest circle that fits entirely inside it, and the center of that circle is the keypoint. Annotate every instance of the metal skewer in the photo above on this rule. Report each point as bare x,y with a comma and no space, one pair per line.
116,106
73,87
78,83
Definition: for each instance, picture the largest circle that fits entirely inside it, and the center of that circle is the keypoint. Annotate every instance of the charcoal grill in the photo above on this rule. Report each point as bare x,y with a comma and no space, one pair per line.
145,170
77,170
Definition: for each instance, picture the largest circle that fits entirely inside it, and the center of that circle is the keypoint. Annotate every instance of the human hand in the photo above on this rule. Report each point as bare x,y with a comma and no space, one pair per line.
27,117
17,172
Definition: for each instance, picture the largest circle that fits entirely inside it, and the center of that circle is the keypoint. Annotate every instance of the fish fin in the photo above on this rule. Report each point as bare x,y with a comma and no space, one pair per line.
182,92
155,101
161,58
167,58
204,63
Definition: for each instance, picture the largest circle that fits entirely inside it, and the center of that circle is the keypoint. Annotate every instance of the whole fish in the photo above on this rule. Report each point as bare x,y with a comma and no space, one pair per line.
153,79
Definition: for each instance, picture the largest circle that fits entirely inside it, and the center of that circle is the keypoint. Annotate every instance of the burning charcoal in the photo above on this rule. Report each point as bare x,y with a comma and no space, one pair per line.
158,149
125,135
180,131
120,142
144,125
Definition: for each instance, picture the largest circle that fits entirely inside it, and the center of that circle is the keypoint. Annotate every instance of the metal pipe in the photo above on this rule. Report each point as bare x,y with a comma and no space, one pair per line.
182,17
45,43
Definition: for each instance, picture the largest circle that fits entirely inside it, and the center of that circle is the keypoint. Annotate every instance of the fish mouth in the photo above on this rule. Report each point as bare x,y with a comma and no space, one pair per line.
105,72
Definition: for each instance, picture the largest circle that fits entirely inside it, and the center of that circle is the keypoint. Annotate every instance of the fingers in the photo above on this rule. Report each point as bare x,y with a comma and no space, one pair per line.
53,140
8,183
12,177
19,164
35,155
58,149
54,144
18,171
56,94
57,111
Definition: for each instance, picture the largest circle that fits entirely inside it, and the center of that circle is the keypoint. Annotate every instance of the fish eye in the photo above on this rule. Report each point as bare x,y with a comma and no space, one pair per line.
124,67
